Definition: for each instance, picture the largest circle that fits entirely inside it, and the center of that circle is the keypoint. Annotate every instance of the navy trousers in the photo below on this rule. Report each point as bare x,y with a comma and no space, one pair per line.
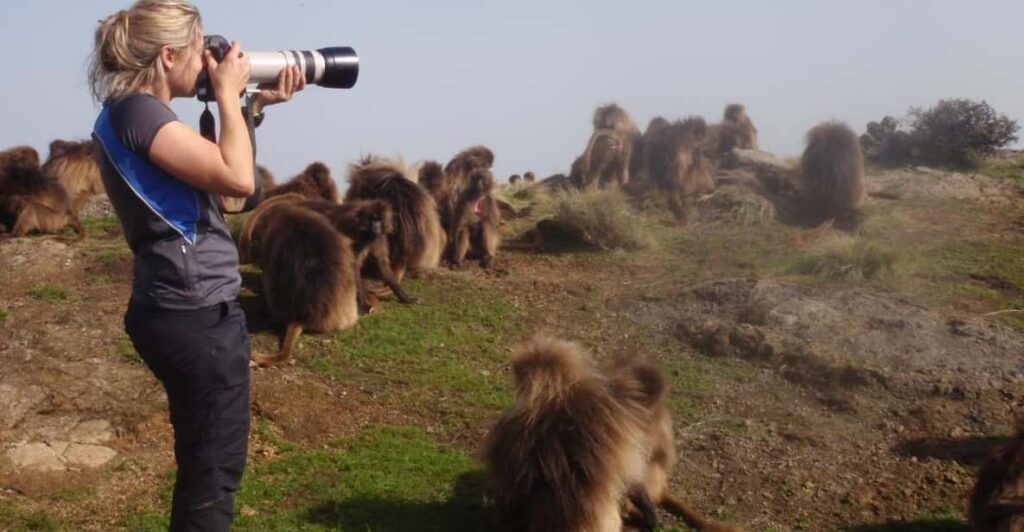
202,358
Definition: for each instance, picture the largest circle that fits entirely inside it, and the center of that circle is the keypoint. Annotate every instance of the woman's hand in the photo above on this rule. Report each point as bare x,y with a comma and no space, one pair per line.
289,81
230,76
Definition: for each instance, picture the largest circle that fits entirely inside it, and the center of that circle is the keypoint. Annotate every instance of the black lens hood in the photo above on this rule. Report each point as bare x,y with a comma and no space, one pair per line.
341,67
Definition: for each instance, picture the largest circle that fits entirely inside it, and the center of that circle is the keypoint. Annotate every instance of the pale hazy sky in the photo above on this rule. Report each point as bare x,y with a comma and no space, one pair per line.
524,76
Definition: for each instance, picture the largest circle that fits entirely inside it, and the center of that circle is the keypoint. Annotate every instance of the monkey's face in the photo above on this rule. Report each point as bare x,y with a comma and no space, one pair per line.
479,185
377,218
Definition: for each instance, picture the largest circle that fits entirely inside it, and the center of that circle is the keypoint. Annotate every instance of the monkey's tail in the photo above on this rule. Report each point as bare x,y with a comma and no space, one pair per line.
811,235
291,335
76,224
692,517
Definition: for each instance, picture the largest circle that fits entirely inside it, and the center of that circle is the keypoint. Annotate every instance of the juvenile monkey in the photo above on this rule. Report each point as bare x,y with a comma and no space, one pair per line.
462,165
367,224
476,230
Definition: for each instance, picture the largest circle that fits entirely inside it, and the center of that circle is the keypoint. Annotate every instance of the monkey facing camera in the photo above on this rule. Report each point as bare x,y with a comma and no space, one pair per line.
335,67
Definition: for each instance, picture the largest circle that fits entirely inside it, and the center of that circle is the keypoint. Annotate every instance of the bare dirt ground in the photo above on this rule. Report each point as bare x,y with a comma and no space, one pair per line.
801,403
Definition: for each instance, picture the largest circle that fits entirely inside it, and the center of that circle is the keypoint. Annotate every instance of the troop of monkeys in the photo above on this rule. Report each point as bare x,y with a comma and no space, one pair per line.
688,158
46,197
582,447
319,256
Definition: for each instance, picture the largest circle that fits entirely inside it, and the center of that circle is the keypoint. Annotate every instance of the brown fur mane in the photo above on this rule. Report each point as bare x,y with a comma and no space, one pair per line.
548,475
314,182
418,237
832,173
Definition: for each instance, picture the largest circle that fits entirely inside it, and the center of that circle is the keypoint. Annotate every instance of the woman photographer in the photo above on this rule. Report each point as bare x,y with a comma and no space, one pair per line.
165,181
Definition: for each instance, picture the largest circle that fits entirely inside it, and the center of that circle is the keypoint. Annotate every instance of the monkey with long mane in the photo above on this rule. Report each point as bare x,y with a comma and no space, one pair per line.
580,449
418,239
74,165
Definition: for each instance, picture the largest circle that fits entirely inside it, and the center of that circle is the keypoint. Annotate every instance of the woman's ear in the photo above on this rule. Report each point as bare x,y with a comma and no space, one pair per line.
169,57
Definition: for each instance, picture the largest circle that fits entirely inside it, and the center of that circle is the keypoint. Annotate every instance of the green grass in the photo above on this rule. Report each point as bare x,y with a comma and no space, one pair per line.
3,315
113,253
987,271
102,279
846,258
945,519
124,350
444,357
384,479
1003,169
102,226
73,494
14,518
51,293
1002,260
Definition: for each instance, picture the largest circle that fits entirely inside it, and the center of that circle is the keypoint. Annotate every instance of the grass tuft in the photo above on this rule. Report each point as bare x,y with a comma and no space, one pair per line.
849,259
602,219
51,293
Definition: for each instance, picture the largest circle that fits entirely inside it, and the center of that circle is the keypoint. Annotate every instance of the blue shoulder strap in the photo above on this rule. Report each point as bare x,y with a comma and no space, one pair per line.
169,198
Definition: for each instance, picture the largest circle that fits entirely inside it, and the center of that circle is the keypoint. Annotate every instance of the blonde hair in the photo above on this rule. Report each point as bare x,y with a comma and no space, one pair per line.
128,44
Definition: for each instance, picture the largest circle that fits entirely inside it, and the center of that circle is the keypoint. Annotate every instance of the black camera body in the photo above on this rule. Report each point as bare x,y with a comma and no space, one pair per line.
334,67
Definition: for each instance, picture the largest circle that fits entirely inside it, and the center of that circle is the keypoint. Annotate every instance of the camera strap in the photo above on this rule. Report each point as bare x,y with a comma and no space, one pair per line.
207,125
208,129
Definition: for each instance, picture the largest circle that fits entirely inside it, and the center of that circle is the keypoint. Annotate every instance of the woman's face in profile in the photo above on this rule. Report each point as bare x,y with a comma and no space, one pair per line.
183,80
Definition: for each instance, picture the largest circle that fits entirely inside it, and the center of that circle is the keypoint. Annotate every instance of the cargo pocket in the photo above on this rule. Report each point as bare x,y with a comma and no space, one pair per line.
230,352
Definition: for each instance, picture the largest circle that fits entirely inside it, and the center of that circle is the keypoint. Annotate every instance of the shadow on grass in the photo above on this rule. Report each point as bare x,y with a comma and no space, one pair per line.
971,451
465,510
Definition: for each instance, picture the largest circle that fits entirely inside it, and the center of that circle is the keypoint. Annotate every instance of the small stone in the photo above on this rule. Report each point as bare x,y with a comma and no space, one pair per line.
88,455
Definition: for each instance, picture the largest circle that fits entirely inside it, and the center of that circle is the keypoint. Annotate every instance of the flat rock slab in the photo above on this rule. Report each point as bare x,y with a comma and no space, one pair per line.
89,456
36,457
76,446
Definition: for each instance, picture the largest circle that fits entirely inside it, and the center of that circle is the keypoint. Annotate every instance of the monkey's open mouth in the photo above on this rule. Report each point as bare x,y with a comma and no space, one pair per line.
478,206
